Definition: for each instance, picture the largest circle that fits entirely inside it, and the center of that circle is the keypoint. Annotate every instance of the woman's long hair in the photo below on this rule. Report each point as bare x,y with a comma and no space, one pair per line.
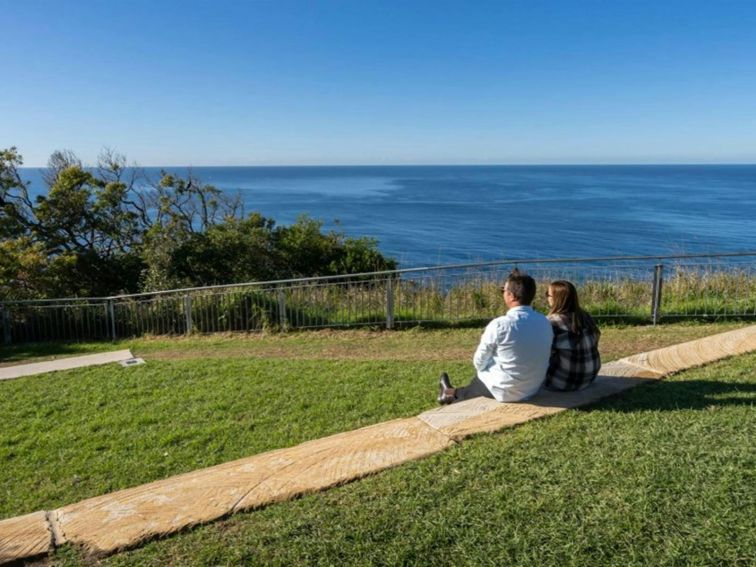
566,303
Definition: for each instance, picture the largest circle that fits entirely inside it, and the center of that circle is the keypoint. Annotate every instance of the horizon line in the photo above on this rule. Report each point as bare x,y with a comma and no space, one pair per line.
544,164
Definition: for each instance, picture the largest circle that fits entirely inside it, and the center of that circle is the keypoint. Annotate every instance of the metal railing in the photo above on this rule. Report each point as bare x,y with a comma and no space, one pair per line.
640,288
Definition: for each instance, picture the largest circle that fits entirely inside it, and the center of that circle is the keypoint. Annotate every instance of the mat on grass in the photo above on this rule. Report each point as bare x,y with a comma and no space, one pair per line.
123,519
10,372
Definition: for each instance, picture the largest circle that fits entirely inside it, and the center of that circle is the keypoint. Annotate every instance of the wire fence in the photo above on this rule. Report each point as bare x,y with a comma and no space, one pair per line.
642,289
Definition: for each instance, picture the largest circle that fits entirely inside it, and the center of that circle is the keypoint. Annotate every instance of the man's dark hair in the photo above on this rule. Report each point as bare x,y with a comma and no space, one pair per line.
521,286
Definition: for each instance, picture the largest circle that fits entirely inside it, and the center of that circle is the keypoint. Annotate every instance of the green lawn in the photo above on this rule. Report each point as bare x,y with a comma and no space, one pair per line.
663,474
410,344
207,400
81,433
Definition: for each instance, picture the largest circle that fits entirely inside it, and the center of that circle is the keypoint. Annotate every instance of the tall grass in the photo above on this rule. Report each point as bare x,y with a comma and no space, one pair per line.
446,299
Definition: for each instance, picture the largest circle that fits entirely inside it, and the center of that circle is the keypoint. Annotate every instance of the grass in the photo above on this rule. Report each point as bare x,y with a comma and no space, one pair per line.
70,435
662,475
80,433
442,301
415,343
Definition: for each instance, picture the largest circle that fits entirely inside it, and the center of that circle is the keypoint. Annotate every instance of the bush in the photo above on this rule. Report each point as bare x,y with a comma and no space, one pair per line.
108,231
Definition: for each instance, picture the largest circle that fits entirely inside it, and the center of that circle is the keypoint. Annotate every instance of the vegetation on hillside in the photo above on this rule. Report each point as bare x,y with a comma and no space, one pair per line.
108,229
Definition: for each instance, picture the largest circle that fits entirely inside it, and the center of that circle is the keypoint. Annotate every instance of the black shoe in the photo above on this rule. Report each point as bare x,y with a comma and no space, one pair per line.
444,386
445,382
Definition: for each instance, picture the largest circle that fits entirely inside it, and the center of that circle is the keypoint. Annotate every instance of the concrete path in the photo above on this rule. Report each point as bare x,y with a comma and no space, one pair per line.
10,372
123,519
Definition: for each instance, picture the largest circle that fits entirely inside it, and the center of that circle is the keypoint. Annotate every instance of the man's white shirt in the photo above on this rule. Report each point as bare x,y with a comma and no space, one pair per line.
513,355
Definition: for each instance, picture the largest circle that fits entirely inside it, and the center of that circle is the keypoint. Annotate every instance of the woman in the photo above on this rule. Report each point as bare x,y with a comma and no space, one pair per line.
575,359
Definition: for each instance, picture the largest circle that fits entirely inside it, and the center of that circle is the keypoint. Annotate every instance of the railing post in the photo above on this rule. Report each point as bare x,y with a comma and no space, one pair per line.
389,303
281,308
111,316
656,298
6,324
188,313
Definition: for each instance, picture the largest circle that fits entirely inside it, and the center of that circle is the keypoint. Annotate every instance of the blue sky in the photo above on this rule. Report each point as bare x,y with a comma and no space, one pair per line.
380,82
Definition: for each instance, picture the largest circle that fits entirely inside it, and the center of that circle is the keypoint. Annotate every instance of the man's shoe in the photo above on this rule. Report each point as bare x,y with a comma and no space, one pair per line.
445,382
444,389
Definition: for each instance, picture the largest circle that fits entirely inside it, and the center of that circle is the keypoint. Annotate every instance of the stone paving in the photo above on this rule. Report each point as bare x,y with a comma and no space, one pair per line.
116,520
18,371
125,518
25,536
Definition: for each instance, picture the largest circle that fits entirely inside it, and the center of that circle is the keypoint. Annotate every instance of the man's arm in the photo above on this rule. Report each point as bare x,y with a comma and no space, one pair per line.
487,347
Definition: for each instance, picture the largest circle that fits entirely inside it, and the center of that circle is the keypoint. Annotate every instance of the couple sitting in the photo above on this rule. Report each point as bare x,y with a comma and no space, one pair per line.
523,350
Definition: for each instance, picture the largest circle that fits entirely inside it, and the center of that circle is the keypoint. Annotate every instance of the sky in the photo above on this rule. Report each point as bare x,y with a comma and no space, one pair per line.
317,82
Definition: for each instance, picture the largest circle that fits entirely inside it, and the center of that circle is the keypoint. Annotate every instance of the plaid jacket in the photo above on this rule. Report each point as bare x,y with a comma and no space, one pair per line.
575,359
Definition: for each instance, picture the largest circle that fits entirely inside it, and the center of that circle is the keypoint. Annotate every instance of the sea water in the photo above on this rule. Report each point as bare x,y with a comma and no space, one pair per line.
427,215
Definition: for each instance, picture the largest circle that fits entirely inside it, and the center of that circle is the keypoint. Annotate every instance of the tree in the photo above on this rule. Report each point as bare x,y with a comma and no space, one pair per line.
15,205
307,251
235,250
110,229
83,227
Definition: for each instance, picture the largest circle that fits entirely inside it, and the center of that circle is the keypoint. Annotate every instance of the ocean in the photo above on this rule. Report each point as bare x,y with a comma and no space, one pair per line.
429,215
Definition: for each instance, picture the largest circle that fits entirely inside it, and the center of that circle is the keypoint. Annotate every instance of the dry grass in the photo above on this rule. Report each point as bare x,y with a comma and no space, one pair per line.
416,344
453,345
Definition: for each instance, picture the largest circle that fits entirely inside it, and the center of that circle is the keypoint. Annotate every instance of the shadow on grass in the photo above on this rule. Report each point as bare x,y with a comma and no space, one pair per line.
671,395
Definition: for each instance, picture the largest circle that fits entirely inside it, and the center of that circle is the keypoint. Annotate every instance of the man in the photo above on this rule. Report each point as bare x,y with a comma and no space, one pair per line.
513,355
